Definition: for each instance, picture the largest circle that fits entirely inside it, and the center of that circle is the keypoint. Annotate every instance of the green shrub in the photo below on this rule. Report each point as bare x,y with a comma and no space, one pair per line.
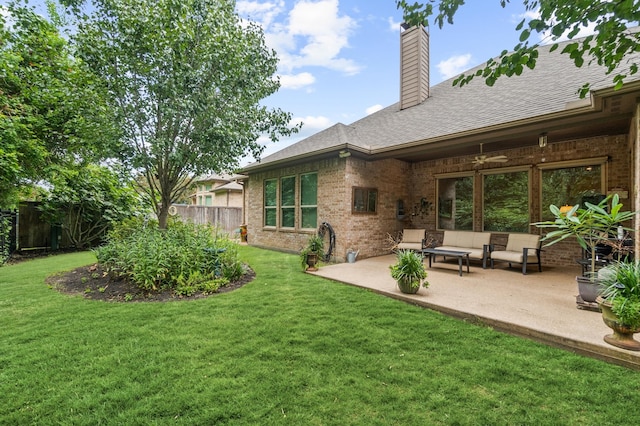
185,257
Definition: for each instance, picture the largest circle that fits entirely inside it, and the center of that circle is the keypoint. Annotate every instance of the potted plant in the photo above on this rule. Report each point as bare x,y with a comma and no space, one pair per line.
409,272
620,303
592,226
310,255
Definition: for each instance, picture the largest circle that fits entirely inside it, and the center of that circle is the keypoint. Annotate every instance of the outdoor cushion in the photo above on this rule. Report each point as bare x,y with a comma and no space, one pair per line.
515,251
412,239
476,243
466,239
474,253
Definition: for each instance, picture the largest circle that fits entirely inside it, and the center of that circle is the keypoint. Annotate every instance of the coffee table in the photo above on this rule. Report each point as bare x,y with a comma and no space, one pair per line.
433,252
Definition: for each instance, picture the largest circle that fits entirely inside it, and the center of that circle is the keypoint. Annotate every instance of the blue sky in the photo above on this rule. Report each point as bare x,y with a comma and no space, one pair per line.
339,59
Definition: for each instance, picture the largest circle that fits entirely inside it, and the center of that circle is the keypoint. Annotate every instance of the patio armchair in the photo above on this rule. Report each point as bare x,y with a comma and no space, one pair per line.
413,239
521,248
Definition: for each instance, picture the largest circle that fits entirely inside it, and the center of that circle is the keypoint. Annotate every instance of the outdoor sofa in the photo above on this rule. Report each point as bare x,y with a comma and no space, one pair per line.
476,243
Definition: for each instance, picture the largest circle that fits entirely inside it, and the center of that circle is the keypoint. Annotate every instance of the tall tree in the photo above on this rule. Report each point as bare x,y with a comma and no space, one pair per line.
52,111
609,46
187,77
87,201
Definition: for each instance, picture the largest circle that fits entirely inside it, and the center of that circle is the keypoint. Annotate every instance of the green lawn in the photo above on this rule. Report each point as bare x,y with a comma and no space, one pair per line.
288,348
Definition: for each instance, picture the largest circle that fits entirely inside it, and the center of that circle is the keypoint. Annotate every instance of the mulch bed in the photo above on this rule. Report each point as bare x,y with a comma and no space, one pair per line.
92,282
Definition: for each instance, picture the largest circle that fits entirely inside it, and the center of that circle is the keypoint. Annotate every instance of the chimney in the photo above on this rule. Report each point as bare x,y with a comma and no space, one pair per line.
414,65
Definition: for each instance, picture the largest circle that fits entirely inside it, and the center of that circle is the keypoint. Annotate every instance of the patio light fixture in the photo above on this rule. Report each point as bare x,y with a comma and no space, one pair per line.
542,139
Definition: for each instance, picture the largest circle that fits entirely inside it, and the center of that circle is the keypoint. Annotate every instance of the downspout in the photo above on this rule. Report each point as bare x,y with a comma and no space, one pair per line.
635,172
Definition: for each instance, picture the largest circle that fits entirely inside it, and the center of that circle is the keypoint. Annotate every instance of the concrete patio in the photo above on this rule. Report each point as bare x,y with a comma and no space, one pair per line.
540,305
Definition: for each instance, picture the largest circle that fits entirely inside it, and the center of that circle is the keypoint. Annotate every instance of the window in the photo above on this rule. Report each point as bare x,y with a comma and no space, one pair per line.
288,202
309,200
506,202
207,187
571,183
270,202
199,203
455,202
208,200
365,200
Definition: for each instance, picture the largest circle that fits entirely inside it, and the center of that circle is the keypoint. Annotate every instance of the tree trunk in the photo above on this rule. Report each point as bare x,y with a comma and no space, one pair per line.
163,215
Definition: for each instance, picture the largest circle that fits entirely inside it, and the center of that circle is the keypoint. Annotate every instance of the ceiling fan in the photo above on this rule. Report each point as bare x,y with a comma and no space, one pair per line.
481,159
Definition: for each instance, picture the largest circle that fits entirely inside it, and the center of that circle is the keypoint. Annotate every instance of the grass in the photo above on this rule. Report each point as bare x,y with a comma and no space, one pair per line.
288,348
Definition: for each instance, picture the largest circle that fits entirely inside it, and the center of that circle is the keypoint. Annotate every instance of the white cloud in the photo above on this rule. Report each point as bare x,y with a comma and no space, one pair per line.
262,13
394,25
546,37
454,65
324,33
373,108
313,33
296,81
312,123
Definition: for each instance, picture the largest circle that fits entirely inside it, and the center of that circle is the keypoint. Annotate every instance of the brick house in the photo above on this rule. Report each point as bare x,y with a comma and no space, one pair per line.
420,163
217,191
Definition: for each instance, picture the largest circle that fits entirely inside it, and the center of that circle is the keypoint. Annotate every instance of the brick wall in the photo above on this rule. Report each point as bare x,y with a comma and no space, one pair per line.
336,178
413,183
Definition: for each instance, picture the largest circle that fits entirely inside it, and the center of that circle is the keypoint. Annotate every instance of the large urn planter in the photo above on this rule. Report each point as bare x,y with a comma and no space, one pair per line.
408,286
409,272
310,254
622,336
312,262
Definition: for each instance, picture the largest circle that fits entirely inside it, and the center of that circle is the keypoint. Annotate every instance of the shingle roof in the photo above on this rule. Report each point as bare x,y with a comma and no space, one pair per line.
550,88
231,186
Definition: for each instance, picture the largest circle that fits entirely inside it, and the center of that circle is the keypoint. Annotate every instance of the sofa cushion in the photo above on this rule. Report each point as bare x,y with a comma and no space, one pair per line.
514,250
413,235
474,253
517,242
410,246
412,239
466,239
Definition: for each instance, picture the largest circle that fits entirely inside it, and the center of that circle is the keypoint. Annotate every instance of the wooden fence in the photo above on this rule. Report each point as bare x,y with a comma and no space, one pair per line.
30,231
227,218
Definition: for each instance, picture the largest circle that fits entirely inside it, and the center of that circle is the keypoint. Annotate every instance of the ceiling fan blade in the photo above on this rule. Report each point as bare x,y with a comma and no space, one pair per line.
497,159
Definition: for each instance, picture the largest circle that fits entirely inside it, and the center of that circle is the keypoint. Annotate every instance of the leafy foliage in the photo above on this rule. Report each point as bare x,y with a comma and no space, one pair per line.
622,290
555,20
590,226
187,78
409,267
315,245
184,257
52,111
5,232
506,202
87,201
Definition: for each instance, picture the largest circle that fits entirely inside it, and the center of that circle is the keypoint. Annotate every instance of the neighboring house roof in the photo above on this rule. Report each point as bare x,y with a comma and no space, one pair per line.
450,112
231,186
214,178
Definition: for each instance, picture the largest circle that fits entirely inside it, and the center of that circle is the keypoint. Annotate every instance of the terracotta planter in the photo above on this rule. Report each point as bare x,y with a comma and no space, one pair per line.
622,336
406,286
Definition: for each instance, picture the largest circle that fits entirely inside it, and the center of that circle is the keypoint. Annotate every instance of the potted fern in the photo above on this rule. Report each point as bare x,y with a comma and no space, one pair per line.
409,272
310,255
592,226
620,303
